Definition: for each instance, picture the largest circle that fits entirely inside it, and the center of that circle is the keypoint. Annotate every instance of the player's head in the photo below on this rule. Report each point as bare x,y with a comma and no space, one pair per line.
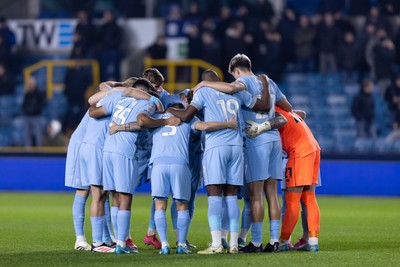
145,85
239,64
210,76
155,77
174,101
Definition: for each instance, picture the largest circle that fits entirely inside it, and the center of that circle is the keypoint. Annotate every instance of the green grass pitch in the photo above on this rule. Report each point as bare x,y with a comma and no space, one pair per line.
37,230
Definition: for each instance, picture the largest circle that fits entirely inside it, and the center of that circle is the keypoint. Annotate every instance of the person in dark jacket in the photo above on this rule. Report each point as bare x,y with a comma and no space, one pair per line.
87,34
349,57
363,110
384,56
6,82
328,38
32,107
304,39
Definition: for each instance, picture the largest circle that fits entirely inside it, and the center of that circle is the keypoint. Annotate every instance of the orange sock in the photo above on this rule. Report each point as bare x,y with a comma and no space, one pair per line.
313,214
291,214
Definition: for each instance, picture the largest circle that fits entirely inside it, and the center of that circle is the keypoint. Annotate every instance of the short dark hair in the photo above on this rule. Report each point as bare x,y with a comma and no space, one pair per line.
210,75
154,76
146,83
240,61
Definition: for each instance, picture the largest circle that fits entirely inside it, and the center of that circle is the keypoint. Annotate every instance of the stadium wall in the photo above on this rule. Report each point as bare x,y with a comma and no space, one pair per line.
339,177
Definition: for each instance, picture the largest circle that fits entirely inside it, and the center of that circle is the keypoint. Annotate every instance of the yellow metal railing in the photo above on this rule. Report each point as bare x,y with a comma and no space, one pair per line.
51,64
194,64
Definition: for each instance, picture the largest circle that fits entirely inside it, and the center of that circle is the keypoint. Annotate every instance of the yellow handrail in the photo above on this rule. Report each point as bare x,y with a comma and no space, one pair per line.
50,64
194,64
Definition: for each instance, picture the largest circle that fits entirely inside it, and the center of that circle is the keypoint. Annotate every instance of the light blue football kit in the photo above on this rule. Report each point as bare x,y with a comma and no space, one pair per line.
263,154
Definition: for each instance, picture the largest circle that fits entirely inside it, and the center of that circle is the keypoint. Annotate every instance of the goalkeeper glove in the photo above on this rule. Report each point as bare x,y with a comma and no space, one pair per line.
254,129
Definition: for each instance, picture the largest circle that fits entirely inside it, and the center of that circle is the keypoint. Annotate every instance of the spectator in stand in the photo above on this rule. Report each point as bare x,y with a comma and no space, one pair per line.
349,57
331,6
174,12
225,20
6,82
343,25
5,52
394,135
8,35
194,42
211,49
262,10
287,27
158,50
54,135
363,110
376,18
242,14
392,95
86,35
389,7
384,59
304,39
233,42
194,15
76,82
208,24
272,59
109,40
78,5
327,38
32,108
78,49
367,36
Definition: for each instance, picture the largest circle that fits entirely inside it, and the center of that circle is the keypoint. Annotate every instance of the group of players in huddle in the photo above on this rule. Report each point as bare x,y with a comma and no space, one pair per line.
135,130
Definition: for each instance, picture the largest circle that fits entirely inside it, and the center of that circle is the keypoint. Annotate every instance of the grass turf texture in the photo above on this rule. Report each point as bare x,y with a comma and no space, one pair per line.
37,230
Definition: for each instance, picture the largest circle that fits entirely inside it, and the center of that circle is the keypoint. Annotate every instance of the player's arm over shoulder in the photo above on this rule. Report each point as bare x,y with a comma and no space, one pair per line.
216,126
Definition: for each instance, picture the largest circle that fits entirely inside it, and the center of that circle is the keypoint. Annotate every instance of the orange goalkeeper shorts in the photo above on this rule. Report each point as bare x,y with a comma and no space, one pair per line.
303,171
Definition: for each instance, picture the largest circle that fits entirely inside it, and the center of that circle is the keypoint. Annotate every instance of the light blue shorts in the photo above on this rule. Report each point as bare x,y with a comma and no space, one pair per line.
72,172
263,162
119,173
90,164
170,178
223,165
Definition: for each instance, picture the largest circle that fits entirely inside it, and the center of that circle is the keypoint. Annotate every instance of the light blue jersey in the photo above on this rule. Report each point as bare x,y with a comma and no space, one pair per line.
126,110
72,176
171,143
220,107
254,87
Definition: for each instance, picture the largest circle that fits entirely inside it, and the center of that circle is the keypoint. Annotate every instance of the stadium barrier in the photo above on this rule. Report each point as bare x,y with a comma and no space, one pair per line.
51,75
171,66
45,172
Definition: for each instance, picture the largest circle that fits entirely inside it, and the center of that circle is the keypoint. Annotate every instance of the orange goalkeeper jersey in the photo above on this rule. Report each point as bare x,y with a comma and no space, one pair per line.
297,138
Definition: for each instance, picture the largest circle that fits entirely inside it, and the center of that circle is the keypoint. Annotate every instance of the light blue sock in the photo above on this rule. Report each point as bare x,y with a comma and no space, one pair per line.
256,232
183,225
246,214
304,216
225,219
114,216
274,226
152,224
161,224
97,228
107,230
232,206
78,214
174,215
124,223
215,213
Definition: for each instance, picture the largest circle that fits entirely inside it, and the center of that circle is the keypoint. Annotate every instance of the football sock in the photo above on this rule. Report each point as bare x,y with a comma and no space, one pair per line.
232,206
225,221
304,216
274,226
214,219
97,229
107,229
246,219
123,221
291,215
174,215
152,225
183,224
161,224
256,233
78,214
164,244
313,214
313,241
114,216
